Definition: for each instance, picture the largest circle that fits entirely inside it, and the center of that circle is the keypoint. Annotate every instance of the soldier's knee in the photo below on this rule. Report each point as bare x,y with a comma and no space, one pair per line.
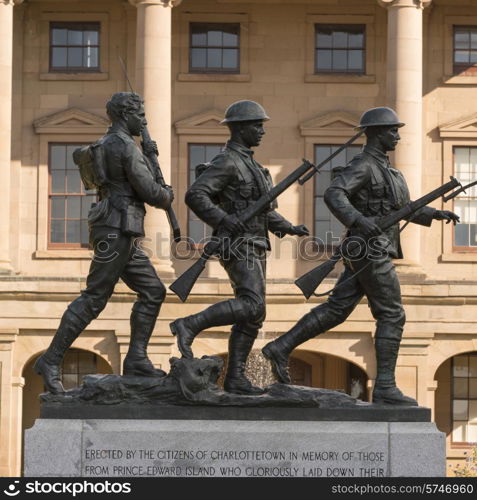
158,293
254,309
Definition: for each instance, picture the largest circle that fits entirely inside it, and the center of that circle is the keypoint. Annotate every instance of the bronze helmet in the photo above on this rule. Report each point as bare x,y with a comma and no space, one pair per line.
379,117
242,111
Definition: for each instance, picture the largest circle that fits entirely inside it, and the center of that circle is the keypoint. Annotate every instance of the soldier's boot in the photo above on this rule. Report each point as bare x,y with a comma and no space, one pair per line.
136,363
235,381
186,329
385,390
279,349
48,364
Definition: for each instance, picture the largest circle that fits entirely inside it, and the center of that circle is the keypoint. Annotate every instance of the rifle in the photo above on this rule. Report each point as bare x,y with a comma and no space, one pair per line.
152,157
184,283
310,281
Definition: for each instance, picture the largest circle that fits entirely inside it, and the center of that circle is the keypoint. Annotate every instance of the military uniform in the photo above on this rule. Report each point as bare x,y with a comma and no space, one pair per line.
368,187
115,222
232,181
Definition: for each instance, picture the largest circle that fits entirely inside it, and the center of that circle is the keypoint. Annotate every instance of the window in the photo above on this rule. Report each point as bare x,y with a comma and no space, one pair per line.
465,204
214,48
326,227
465,49
75,365
198,231
69,203
74,46
464,398
340,48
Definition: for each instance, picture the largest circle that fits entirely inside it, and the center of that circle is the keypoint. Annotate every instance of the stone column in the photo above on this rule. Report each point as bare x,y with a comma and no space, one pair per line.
404,94
153,83
6,62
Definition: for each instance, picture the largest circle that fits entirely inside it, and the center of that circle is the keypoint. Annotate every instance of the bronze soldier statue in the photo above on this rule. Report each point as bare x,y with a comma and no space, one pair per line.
231,182
366,188
125,181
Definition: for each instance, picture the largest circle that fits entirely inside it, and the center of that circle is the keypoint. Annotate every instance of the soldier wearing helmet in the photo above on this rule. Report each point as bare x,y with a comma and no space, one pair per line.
366,188
228,185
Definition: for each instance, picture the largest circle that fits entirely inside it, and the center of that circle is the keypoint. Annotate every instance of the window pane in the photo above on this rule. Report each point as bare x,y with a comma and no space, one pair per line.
86,362
196,231
321,228
75,57
70,164
58,207
214,58
461,40
230,39
356,40
473,56
86,202
472,235
57,231
91,38
84,233
70,381
57,157
473,366
324,40
472,433
58,36
73,231
70,362
198,58
461,366
340,39
214,38
230,58
461,235
58,57
473,412
460,409
323,60
73,207
355,60
473,39
473,388
458,432
321,211
74,181
90,57
339,59
58,181
199,38
75,37
461,388
196,154
461,56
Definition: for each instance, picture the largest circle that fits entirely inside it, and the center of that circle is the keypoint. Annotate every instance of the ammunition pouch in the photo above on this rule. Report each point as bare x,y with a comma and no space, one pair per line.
132,220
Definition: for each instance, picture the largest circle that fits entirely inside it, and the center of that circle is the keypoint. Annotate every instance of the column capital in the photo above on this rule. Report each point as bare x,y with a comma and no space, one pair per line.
11,2
164,3
419,4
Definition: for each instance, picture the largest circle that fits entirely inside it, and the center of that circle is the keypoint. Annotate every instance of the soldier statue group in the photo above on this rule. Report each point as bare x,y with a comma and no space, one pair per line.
361,193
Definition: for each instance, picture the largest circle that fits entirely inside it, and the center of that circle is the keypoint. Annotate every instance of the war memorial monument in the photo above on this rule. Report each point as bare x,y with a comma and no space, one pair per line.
150,423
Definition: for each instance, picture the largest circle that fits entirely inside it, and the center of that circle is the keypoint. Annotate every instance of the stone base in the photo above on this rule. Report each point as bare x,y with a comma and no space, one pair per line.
232,448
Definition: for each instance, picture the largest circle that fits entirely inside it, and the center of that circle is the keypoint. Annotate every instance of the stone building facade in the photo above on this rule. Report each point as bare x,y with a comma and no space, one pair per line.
315,65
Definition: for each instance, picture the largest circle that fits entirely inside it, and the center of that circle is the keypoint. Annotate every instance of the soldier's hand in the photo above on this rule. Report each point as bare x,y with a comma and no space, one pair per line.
300,230
232,224
168,197
446,215
367,227
150,147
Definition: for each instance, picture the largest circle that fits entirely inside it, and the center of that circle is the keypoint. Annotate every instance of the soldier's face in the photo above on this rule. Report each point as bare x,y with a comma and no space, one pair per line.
252,133
389,138
136,121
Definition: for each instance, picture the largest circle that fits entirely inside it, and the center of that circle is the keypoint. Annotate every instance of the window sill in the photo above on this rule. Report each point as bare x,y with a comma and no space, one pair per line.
459,257
213,77
64,254
341,78
74,76
459,80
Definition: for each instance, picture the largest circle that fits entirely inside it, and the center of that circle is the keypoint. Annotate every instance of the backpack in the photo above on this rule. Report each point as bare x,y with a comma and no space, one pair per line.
91,164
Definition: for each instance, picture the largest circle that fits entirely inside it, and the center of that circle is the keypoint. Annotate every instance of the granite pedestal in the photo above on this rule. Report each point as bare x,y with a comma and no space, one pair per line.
240,442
